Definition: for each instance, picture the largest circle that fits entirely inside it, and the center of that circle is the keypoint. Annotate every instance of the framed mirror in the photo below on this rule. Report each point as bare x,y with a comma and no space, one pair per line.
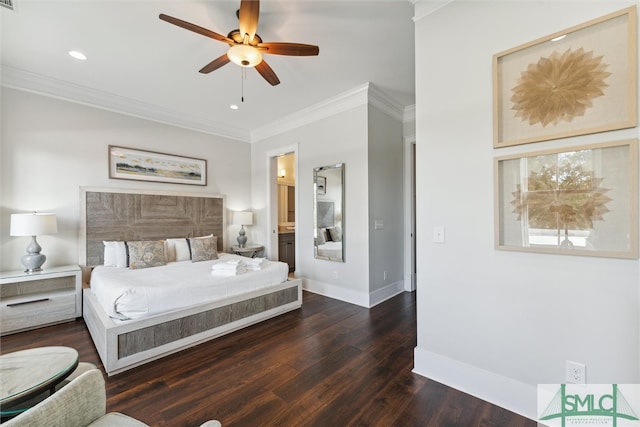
328,212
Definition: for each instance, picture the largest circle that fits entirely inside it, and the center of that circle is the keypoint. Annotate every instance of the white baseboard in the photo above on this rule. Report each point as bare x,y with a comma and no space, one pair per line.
389,291
336,292
362,299
499,390
410,282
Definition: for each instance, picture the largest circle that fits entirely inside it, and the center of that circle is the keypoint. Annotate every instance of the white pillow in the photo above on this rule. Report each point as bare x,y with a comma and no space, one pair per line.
177,250
115,254
109,254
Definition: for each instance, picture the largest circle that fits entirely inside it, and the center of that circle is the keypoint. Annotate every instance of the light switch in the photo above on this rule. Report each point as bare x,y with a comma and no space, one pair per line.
438,234
378,224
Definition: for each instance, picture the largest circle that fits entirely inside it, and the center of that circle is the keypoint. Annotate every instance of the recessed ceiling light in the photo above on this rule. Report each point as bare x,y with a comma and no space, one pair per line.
233,106
78,55
556,39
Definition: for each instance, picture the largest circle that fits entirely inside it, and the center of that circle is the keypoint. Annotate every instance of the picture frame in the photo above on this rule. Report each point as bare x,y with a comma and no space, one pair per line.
535,95
321,184
577,201
142,165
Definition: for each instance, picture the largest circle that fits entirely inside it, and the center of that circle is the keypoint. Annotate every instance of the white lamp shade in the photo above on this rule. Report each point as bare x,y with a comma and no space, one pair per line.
33,224
243,218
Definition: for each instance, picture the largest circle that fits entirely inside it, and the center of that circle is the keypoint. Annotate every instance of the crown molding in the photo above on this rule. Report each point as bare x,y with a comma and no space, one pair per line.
31,82
424,8
364,94
385,103
361,95
409,114
327,108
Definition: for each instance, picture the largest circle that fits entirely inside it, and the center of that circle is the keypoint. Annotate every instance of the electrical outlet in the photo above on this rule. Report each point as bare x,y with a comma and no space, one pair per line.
576,373
334,275
385,276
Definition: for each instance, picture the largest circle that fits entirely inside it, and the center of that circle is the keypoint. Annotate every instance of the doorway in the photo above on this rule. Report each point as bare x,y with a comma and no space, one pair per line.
286,179
410,277
276,177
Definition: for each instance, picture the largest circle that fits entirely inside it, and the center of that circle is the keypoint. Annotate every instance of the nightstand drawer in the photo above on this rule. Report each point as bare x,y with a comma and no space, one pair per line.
30,300
37,287
27,311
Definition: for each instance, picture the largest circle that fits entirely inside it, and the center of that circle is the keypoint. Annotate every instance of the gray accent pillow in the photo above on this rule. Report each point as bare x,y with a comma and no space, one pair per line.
146,253
203,248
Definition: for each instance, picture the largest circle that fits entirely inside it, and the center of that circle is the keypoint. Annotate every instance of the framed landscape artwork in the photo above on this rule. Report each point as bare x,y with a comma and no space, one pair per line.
141,165
577,201
577,81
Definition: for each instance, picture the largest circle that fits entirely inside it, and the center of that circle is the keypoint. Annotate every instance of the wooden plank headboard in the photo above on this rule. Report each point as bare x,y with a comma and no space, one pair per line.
119,214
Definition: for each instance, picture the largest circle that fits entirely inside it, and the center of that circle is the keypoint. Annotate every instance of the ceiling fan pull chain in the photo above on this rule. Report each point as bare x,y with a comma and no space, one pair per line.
243,76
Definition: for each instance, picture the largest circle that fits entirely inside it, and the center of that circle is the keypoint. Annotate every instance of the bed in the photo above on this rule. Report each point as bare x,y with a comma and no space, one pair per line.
130,333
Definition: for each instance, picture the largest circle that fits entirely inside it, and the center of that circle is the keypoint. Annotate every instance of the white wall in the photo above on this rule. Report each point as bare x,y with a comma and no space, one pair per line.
50,148
385,205
496,323
338,138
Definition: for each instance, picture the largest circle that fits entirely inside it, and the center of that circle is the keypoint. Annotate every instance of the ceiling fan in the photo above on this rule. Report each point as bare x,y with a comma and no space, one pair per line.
246,46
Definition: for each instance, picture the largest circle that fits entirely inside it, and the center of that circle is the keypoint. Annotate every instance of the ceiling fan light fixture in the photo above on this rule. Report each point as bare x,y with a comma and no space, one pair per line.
244,55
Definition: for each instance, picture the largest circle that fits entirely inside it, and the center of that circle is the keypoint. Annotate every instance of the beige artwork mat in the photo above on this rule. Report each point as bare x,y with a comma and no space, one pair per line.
578,201
577,81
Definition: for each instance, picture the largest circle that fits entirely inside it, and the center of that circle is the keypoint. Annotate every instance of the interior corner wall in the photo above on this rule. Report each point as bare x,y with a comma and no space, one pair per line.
340,138
51,147
386,206
497,323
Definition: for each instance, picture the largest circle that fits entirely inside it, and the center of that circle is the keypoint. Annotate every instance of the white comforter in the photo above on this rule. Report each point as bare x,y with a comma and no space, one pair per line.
130,294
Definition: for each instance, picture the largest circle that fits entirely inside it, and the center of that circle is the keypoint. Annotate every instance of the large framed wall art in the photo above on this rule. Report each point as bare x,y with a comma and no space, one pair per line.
579,201
577,81
142,165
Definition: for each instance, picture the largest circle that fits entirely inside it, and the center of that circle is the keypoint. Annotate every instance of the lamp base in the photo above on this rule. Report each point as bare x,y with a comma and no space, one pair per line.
33,262
33,259
242,239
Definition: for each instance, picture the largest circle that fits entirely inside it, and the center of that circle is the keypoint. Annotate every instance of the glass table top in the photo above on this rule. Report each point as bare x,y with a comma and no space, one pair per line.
28,372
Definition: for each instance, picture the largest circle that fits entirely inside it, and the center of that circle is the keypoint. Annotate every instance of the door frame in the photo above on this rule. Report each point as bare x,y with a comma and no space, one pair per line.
272,199
410,276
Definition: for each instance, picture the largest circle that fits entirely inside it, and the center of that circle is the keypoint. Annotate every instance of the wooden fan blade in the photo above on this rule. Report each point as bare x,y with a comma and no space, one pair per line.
215,64
248,18
267,72
292,49
196,29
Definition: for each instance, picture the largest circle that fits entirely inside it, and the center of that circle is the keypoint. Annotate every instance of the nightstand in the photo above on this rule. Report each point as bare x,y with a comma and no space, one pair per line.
32,300
250,251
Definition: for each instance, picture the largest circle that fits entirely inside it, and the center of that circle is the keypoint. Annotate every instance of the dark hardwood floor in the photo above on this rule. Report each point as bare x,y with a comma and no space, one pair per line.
327,364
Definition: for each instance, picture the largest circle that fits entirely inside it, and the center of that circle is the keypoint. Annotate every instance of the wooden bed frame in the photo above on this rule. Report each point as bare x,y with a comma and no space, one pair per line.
110,214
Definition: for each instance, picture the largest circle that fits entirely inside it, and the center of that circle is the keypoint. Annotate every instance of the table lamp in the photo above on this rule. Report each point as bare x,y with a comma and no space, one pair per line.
33,224
242,219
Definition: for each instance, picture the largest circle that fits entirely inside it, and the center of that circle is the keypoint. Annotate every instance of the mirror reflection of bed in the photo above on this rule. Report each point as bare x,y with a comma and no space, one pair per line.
329,207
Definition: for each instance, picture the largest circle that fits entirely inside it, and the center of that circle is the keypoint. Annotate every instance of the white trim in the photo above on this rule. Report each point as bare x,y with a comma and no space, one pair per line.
36,83
409,114
499,390
409,256
42,85
329,107
272,199
381,295
385,103
360,95
423,8
362,299
336,292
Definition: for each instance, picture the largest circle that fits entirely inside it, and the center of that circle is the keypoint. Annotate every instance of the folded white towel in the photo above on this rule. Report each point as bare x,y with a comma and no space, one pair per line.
254,267
228,265
255,261
228,273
